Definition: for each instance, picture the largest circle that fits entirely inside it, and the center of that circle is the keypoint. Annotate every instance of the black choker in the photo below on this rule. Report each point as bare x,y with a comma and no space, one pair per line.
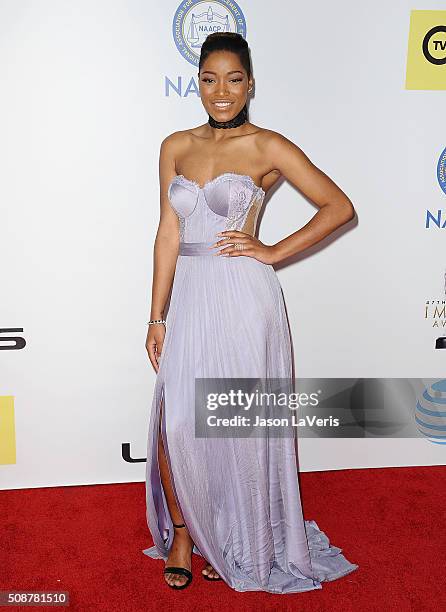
239,119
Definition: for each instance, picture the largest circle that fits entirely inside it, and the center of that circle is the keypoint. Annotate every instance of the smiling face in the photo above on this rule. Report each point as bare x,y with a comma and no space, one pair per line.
223,85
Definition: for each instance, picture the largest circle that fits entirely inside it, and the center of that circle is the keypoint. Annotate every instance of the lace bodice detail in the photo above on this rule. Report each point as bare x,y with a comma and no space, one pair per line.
230,201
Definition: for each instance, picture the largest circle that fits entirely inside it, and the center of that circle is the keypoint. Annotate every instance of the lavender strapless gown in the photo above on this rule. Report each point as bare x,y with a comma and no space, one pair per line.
239,497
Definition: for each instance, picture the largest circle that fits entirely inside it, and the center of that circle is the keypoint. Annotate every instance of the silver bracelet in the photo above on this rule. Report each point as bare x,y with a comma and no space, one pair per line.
152,321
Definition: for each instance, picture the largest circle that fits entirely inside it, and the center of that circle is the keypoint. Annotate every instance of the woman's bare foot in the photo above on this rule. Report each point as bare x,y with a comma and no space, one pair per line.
209,571
179,556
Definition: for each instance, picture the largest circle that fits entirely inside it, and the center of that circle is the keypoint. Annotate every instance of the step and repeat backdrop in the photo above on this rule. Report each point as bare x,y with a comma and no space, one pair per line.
89,91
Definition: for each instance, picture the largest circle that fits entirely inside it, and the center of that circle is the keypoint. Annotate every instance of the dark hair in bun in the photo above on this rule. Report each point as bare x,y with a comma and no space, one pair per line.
227,41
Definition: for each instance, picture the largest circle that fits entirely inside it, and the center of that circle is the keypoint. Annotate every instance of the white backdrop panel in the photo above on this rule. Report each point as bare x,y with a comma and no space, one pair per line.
82,113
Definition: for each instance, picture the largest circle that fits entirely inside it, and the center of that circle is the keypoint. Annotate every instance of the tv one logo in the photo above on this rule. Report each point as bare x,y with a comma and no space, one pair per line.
426,52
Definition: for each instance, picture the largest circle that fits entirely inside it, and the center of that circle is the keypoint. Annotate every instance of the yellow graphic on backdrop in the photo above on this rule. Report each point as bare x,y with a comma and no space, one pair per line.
426,53
7,430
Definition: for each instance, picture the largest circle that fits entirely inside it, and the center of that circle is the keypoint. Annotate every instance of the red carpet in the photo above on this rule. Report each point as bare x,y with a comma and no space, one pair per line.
88,540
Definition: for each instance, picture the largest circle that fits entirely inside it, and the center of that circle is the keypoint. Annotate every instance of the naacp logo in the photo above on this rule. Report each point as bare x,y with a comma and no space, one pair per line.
194,20
441,171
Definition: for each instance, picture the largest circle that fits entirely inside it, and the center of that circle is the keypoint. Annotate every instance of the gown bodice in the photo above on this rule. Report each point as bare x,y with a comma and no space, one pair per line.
230,201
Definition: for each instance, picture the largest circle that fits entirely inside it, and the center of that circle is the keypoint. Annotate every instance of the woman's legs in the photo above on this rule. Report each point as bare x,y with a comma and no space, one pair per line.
181,550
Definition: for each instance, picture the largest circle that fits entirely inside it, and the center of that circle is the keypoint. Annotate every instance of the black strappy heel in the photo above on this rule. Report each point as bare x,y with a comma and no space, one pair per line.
179,570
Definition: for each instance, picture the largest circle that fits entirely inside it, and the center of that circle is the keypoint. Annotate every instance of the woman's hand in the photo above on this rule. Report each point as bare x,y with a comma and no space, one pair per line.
252,247
154,343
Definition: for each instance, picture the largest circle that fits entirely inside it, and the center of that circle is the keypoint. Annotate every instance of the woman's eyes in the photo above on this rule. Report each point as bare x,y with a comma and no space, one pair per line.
206,79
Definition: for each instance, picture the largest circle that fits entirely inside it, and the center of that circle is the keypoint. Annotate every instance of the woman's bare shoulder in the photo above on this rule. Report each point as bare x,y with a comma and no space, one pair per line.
265,136
184,136
172,147
176,138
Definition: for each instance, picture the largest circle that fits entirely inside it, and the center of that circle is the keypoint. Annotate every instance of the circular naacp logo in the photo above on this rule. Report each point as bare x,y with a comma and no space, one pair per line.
194,20
441,171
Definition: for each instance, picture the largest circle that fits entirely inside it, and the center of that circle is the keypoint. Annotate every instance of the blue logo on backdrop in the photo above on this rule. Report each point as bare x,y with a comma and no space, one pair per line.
194,20
441,171
438,218
430,413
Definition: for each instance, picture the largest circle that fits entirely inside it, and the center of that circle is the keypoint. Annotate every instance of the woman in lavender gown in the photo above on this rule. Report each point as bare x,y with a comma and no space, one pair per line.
235,501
